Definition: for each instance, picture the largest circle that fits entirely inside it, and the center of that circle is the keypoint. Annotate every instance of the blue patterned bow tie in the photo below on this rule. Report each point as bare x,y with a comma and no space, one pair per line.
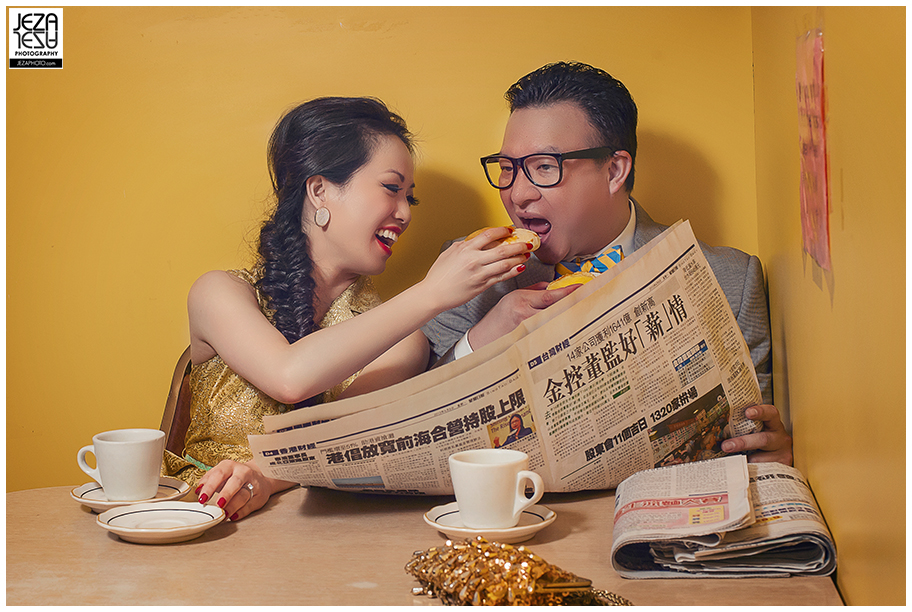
609,258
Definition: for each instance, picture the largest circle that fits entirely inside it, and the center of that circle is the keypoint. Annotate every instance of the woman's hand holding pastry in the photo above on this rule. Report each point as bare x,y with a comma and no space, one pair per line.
485,258
237,488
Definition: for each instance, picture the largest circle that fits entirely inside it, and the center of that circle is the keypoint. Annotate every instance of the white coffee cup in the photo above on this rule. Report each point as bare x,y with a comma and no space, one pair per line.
490,486
128,462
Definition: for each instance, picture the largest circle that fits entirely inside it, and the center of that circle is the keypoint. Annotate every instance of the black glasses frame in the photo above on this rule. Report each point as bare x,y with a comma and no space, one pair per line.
594,153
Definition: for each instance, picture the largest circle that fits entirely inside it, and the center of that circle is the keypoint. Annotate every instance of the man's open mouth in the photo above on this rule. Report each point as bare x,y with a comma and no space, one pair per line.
538,225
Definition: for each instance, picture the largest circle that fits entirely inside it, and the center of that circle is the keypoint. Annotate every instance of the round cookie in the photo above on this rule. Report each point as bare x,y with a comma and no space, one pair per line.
519,235
575,278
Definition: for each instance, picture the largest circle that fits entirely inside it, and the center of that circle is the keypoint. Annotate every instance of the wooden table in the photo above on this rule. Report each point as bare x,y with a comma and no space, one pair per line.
318,547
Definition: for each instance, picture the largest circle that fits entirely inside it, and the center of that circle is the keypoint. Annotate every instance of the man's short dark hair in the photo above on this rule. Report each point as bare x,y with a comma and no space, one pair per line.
604,99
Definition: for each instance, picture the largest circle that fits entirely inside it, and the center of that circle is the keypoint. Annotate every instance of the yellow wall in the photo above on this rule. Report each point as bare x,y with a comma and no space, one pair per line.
839,359
141,165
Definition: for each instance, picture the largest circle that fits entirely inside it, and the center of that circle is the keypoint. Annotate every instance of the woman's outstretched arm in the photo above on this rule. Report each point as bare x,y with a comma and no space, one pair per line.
225,319
407,358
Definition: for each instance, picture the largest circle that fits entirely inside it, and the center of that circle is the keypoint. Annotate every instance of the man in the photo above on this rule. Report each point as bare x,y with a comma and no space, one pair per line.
566,171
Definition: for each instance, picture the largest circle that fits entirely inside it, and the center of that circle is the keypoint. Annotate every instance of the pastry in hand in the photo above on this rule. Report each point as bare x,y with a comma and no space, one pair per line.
575,278
519,235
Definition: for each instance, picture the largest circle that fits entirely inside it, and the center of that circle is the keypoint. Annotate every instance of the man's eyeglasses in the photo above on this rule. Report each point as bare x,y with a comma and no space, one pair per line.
542,169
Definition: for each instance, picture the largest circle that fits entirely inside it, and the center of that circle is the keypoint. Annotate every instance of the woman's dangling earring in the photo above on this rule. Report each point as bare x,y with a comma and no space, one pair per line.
321,218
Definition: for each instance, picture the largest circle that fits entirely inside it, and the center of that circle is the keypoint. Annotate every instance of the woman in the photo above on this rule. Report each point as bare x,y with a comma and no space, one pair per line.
285,334
517,429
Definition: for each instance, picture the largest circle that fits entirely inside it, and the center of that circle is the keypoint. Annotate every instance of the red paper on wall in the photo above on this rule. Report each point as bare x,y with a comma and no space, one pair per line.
815,207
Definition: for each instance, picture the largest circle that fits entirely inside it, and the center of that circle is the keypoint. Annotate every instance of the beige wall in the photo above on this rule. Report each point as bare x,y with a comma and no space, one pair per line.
141,165
840,365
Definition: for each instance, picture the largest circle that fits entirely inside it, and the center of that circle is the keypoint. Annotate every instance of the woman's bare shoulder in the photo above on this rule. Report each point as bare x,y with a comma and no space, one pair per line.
220,283
218,300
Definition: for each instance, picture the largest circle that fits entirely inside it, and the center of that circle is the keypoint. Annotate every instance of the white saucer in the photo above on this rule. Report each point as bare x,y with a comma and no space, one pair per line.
446,519
160,522
92,495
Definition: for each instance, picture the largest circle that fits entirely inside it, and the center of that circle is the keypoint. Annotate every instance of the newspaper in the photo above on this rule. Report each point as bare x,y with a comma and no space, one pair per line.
643,366
721,518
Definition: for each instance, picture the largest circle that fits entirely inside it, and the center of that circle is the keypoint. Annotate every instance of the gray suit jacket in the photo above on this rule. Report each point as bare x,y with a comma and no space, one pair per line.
740,275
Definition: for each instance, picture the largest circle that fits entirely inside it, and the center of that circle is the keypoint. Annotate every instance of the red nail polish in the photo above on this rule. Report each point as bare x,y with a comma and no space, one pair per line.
528,255
203,498
521,267
234,517
198,489
221,502
530,245
511,229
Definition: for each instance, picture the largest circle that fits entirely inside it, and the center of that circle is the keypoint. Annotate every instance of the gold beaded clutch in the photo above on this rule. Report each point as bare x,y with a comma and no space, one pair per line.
477,572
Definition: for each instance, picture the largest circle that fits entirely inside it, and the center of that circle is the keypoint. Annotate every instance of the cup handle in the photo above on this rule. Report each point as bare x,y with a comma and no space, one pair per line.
522,502
80,459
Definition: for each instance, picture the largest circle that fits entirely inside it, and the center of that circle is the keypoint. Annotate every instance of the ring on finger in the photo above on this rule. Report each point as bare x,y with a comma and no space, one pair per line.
249,487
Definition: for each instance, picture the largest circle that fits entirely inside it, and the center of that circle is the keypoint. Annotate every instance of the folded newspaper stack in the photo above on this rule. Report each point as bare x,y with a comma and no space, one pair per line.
721,518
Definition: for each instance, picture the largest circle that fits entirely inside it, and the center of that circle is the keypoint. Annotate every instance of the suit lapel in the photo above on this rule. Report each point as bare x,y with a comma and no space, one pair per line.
646,229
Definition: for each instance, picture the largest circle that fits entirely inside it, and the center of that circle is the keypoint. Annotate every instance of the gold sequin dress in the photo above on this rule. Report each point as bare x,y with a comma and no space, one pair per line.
225,408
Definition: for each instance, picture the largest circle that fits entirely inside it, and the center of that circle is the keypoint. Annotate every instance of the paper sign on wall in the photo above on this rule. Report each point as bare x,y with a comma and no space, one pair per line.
815,206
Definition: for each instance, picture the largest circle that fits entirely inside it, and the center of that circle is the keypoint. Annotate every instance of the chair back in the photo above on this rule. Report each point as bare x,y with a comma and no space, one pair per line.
176,417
